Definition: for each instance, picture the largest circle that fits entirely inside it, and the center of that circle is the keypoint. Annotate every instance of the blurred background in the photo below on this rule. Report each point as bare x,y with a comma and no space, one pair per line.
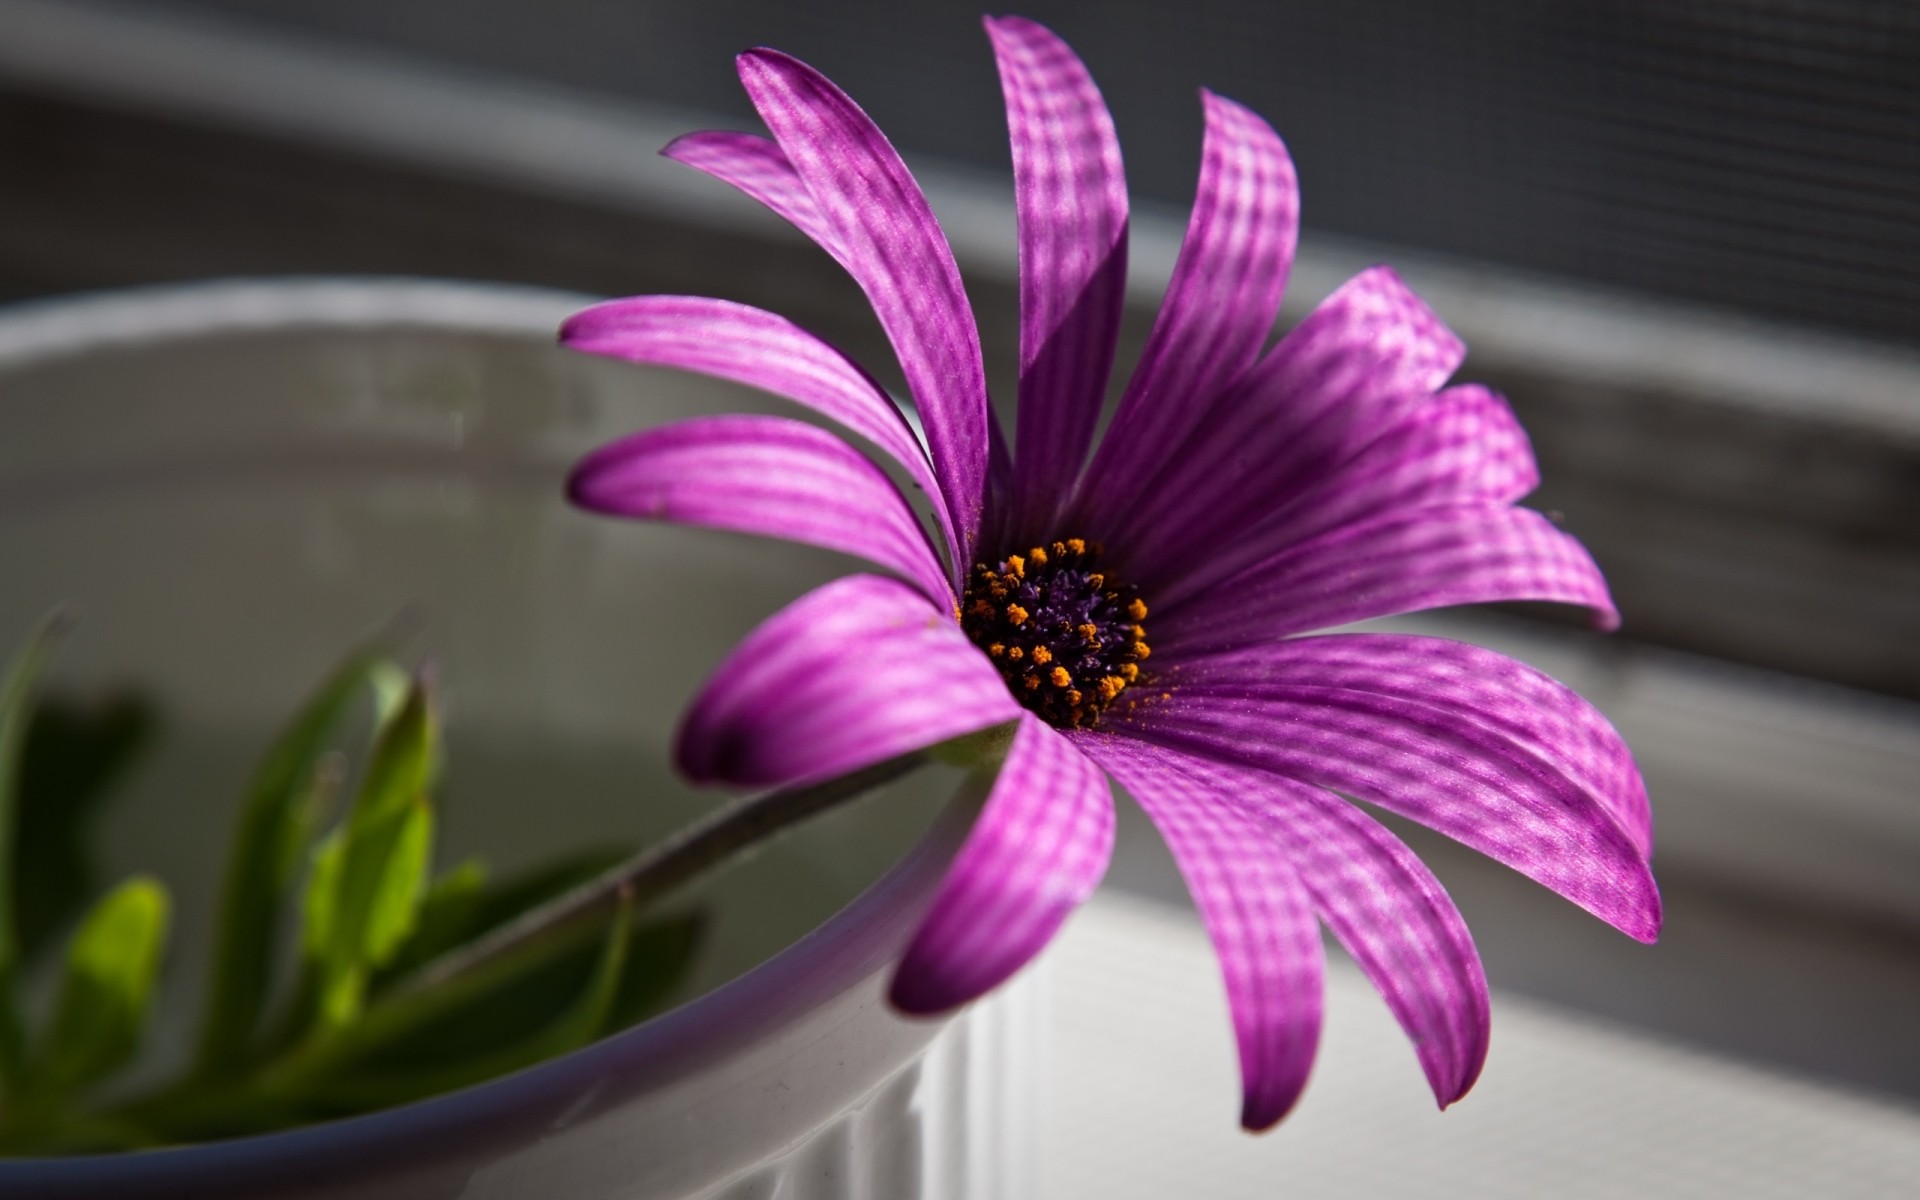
1683,238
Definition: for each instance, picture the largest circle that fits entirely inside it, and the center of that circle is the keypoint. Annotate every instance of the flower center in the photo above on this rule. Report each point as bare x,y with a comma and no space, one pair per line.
1066,636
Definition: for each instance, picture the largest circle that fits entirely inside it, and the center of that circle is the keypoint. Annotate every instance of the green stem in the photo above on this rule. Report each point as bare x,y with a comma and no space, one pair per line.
660,869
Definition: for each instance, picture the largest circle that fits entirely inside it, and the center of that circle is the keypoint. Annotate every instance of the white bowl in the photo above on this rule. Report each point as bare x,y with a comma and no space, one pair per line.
234,482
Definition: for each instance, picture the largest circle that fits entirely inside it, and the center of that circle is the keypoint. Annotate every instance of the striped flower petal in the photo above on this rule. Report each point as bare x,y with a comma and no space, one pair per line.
1426,762
1219,308
759,349
1386,908
1072,199
853,673
765,475
1400,562
894,248
759,168
1257,912
1368,355
1541,715
1463,446
1039,848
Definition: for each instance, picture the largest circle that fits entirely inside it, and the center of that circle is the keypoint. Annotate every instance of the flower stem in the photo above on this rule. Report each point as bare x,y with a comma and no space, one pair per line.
660,868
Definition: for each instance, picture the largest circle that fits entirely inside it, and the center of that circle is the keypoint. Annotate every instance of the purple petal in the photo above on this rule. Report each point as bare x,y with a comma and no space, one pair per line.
1255,908
1543,716
894,249
1366,357
765,475
761,350
756,166
855,672
1399,562
1039,848
1463,446
1218,310
1386,908
1427,762
1072,198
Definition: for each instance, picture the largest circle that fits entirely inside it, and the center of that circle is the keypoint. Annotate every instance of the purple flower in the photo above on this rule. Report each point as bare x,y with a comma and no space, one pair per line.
1137,616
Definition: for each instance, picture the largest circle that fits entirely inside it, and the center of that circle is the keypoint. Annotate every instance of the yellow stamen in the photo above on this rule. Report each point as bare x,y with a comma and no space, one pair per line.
1042,656
1076,546
1016,653
1138,609
1016,614
1038,555
1074,698
998,649
1059,676
1129,672
1111,686
1141,650
1089,633
1018,565
1031,682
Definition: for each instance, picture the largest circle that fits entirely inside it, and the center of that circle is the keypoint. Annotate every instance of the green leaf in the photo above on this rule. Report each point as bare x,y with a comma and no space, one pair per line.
276,824
368,886
448,914
379,874
406,758
74,754
16,714
112,964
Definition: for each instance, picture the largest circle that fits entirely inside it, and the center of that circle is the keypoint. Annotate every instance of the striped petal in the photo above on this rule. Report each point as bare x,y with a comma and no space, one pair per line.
1386,908
756,166
761,350
765,475
1400,562
1219,307
1037,851
1428,762
1367,356
1256,910
1509,698
1071,194
894,248
853,673
1463,446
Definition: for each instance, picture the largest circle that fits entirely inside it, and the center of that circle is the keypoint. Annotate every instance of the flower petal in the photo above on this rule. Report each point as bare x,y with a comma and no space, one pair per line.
757,167
1255,908
1386,908
1427,762
1538,713
1039,848
1398,562
894,249
1072,197
1463,446
765,475
855,672
1219,307
759,349
1360,362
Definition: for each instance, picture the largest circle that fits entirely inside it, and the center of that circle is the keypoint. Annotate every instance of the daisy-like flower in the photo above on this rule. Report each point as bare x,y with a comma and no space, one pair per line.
1134,611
